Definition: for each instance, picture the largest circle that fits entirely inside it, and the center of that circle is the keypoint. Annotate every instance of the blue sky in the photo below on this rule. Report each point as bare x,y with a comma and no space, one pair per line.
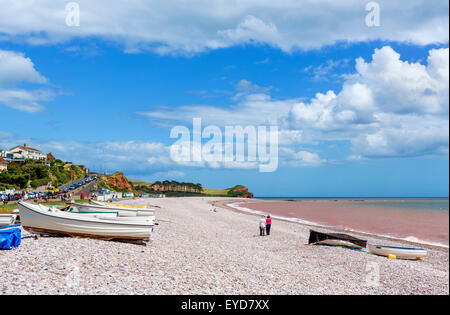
361,111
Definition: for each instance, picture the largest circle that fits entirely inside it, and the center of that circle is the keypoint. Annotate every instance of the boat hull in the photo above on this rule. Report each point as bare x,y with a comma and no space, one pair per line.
42,220
336,239
339,243
109,204
7,219
398,252
121,211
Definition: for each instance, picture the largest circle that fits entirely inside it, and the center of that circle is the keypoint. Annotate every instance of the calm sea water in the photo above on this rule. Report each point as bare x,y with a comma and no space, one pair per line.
420,220
416,204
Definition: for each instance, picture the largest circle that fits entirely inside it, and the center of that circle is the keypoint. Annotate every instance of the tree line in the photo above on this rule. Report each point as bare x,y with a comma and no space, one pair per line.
176,186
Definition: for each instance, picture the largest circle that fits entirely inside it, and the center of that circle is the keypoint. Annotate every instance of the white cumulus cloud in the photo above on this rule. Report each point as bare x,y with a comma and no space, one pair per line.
188,27
15,68
387,108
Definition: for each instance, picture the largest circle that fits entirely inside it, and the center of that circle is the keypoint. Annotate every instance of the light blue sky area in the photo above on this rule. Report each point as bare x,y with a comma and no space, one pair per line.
113,86
383,131
407,177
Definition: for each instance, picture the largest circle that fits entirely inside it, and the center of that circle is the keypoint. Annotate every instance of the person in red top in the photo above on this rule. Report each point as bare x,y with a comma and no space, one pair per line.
268,224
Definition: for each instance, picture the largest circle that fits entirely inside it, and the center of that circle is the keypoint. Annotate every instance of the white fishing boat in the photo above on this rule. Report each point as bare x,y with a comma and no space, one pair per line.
398,252
115,205
44,220
106,215
7,219
120,210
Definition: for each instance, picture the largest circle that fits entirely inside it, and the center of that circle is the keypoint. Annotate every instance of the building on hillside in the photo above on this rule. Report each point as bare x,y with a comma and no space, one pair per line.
50,157
99,175
20,153
84,169
3,164
6,155
162,188
3,153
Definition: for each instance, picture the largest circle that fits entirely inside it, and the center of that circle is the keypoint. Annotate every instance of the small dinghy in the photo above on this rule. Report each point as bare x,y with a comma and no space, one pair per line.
110,204
398,252
7,219
336,239
121,210
10,237
40,219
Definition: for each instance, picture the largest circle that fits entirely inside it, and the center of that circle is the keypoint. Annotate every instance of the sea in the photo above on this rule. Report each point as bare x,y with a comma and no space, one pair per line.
439,204
419,220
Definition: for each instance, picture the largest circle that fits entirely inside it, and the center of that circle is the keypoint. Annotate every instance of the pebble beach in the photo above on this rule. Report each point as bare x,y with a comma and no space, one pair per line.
195,250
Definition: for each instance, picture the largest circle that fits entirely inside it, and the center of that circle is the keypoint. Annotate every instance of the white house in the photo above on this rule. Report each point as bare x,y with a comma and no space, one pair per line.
4,154
3,164
21,152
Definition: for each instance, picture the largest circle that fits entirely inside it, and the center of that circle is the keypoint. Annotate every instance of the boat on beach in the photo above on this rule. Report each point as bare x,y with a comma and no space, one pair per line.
7,219
10,237
336,239
110,204
40,219
105,215
398,252
121,210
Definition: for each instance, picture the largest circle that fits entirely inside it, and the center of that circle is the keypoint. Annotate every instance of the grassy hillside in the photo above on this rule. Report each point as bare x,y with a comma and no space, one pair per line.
37,173
215,192
139,183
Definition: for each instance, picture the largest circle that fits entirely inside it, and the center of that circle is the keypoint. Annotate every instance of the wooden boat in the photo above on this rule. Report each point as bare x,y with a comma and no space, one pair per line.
7,219
398,252
110,204
107,213
40,219
115,205
339,243
336,239
120,210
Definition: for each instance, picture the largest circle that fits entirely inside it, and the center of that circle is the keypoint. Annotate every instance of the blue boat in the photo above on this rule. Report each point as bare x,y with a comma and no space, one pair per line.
10,237
398,252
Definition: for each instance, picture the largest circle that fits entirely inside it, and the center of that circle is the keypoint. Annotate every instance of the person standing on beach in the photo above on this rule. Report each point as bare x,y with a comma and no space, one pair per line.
268,224
262,226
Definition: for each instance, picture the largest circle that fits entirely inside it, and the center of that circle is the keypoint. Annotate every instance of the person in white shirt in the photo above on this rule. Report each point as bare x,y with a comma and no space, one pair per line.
262,226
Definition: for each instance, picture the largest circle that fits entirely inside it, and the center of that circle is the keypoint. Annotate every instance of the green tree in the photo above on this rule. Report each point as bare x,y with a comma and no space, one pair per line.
14,169
5,177
21,180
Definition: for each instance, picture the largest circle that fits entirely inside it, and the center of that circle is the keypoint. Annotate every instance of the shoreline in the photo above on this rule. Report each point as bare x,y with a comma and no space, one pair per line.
226,205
